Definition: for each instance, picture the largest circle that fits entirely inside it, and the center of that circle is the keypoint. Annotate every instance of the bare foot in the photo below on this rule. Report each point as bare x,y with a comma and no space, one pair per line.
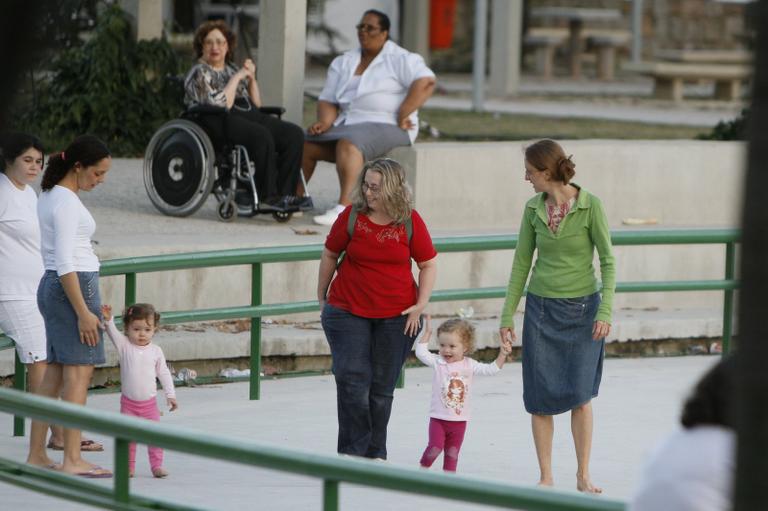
85,469
159,472
546,481
45,462
583,484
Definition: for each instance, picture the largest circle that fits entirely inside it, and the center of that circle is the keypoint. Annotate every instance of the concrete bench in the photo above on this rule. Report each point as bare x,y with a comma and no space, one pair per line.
544,45
669,77
545,41
736,56
606,46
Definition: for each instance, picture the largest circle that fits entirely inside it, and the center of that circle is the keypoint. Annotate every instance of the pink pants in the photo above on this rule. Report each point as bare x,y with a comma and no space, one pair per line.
444,435
147,410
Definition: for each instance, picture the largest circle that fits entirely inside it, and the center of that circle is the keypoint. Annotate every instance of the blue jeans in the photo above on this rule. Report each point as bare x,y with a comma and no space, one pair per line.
368,355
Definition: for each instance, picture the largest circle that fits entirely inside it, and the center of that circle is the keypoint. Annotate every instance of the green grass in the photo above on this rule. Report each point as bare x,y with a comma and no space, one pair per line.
470,126
473,126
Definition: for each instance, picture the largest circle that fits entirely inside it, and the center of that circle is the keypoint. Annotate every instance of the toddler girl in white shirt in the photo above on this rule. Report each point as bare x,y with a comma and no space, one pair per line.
141,363
451,387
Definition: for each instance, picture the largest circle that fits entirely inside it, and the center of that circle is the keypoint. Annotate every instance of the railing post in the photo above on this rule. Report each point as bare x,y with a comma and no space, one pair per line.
19,383
330,495
122,477
255,392
730,273
130,289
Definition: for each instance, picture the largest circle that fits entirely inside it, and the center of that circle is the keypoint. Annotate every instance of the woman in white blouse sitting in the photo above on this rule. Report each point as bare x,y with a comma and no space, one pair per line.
368,106
68,294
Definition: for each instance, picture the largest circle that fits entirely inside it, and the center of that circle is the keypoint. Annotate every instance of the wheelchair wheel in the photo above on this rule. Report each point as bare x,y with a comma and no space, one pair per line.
282,216
179,168
226,211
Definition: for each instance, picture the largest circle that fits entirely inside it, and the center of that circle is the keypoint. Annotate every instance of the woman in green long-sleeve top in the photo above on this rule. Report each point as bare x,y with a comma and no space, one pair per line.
566,320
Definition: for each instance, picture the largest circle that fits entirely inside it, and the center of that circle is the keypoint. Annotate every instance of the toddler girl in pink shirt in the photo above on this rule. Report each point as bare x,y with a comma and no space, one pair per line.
141,364
451,386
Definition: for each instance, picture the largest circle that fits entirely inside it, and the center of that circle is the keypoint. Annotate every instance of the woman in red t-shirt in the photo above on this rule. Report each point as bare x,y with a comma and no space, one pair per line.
371,316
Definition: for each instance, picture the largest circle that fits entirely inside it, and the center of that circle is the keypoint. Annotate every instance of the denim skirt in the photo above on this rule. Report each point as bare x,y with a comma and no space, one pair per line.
62,333
562,364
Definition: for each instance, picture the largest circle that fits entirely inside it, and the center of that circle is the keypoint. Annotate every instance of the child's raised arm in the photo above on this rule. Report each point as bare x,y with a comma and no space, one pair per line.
504,350
426,334
113,333
422,353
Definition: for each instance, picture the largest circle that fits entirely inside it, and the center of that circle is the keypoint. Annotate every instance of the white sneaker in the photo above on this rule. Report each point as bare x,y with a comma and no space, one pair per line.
329,217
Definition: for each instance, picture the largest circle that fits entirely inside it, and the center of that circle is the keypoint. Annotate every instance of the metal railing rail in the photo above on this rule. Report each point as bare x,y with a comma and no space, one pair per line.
330,469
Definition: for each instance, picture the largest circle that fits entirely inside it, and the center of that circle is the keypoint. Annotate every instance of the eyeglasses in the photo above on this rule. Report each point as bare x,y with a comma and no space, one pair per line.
214,42
375,190
365,27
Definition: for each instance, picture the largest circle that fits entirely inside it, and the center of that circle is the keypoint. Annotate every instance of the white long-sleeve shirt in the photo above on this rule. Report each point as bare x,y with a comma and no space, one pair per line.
66,228
452,383
140,366
20,263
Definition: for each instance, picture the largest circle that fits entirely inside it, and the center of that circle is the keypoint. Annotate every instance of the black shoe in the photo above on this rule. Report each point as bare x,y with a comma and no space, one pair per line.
302,203
275,203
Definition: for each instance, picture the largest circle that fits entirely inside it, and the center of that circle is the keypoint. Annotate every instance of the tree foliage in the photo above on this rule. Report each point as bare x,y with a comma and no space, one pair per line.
110,86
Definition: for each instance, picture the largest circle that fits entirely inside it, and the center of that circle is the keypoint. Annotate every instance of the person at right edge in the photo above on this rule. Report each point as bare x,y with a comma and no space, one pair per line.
565,320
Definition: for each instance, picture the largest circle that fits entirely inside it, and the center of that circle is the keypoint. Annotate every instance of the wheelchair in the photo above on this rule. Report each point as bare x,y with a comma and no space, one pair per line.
183,165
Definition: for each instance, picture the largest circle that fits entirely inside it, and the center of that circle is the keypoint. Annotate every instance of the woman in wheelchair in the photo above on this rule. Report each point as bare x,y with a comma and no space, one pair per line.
274,146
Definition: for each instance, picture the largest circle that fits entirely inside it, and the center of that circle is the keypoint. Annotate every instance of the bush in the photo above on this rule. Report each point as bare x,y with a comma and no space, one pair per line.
729,130
111,86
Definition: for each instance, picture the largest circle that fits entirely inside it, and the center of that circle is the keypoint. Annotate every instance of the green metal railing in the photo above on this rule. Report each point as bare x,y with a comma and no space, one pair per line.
257,257
330,469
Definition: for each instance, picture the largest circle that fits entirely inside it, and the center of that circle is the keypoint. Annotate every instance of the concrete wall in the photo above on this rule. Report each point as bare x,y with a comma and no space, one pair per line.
479,188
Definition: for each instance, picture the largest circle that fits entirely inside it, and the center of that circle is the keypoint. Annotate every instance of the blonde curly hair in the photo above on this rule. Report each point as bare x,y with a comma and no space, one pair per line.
396,195
461,327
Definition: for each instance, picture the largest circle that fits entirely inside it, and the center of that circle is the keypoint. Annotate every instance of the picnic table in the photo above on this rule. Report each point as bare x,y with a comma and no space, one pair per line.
576,18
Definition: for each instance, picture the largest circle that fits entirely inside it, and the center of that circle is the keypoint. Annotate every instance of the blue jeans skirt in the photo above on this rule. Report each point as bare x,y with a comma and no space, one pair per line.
368,355
62,333
562,364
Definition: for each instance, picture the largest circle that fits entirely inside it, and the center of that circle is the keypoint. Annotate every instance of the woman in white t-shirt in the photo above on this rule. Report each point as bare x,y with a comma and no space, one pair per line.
68,294
20,264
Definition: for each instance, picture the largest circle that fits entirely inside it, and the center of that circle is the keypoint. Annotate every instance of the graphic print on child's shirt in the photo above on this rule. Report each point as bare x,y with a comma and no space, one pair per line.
455,388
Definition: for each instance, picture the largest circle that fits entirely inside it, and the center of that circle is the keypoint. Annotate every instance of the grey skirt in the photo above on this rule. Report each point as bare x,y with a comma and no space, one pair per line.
562,364
374,139
61,329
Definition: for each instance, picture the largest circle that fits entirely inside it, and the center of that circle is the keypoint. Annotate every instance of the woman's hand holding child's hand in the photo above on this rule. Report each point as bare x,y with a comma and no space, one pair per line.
172,405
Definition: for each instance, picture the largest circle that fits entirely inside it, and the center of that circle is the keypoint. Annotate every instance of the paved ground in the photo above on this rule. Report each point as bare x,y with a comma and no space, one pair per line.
638,404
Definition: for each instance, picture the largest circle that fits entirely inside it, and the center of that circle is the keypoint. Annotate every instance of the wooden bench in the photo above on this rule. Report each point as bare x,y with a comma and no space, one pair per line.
670,76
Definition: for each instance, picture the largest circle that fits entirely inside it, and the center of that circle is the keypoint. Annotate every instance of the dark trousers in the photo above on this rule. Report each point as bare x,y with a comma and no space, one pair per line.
368,355
275,147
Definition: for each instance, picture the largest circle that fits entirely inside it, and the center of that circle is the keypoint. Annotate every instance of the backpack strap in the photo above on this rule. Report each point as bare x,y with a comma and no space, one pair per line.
409,229
351,222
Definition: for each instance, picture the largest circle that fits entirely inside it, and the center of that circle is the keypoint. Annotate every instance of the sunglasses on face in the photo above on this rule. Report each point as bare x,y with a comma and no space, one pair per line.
365,27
